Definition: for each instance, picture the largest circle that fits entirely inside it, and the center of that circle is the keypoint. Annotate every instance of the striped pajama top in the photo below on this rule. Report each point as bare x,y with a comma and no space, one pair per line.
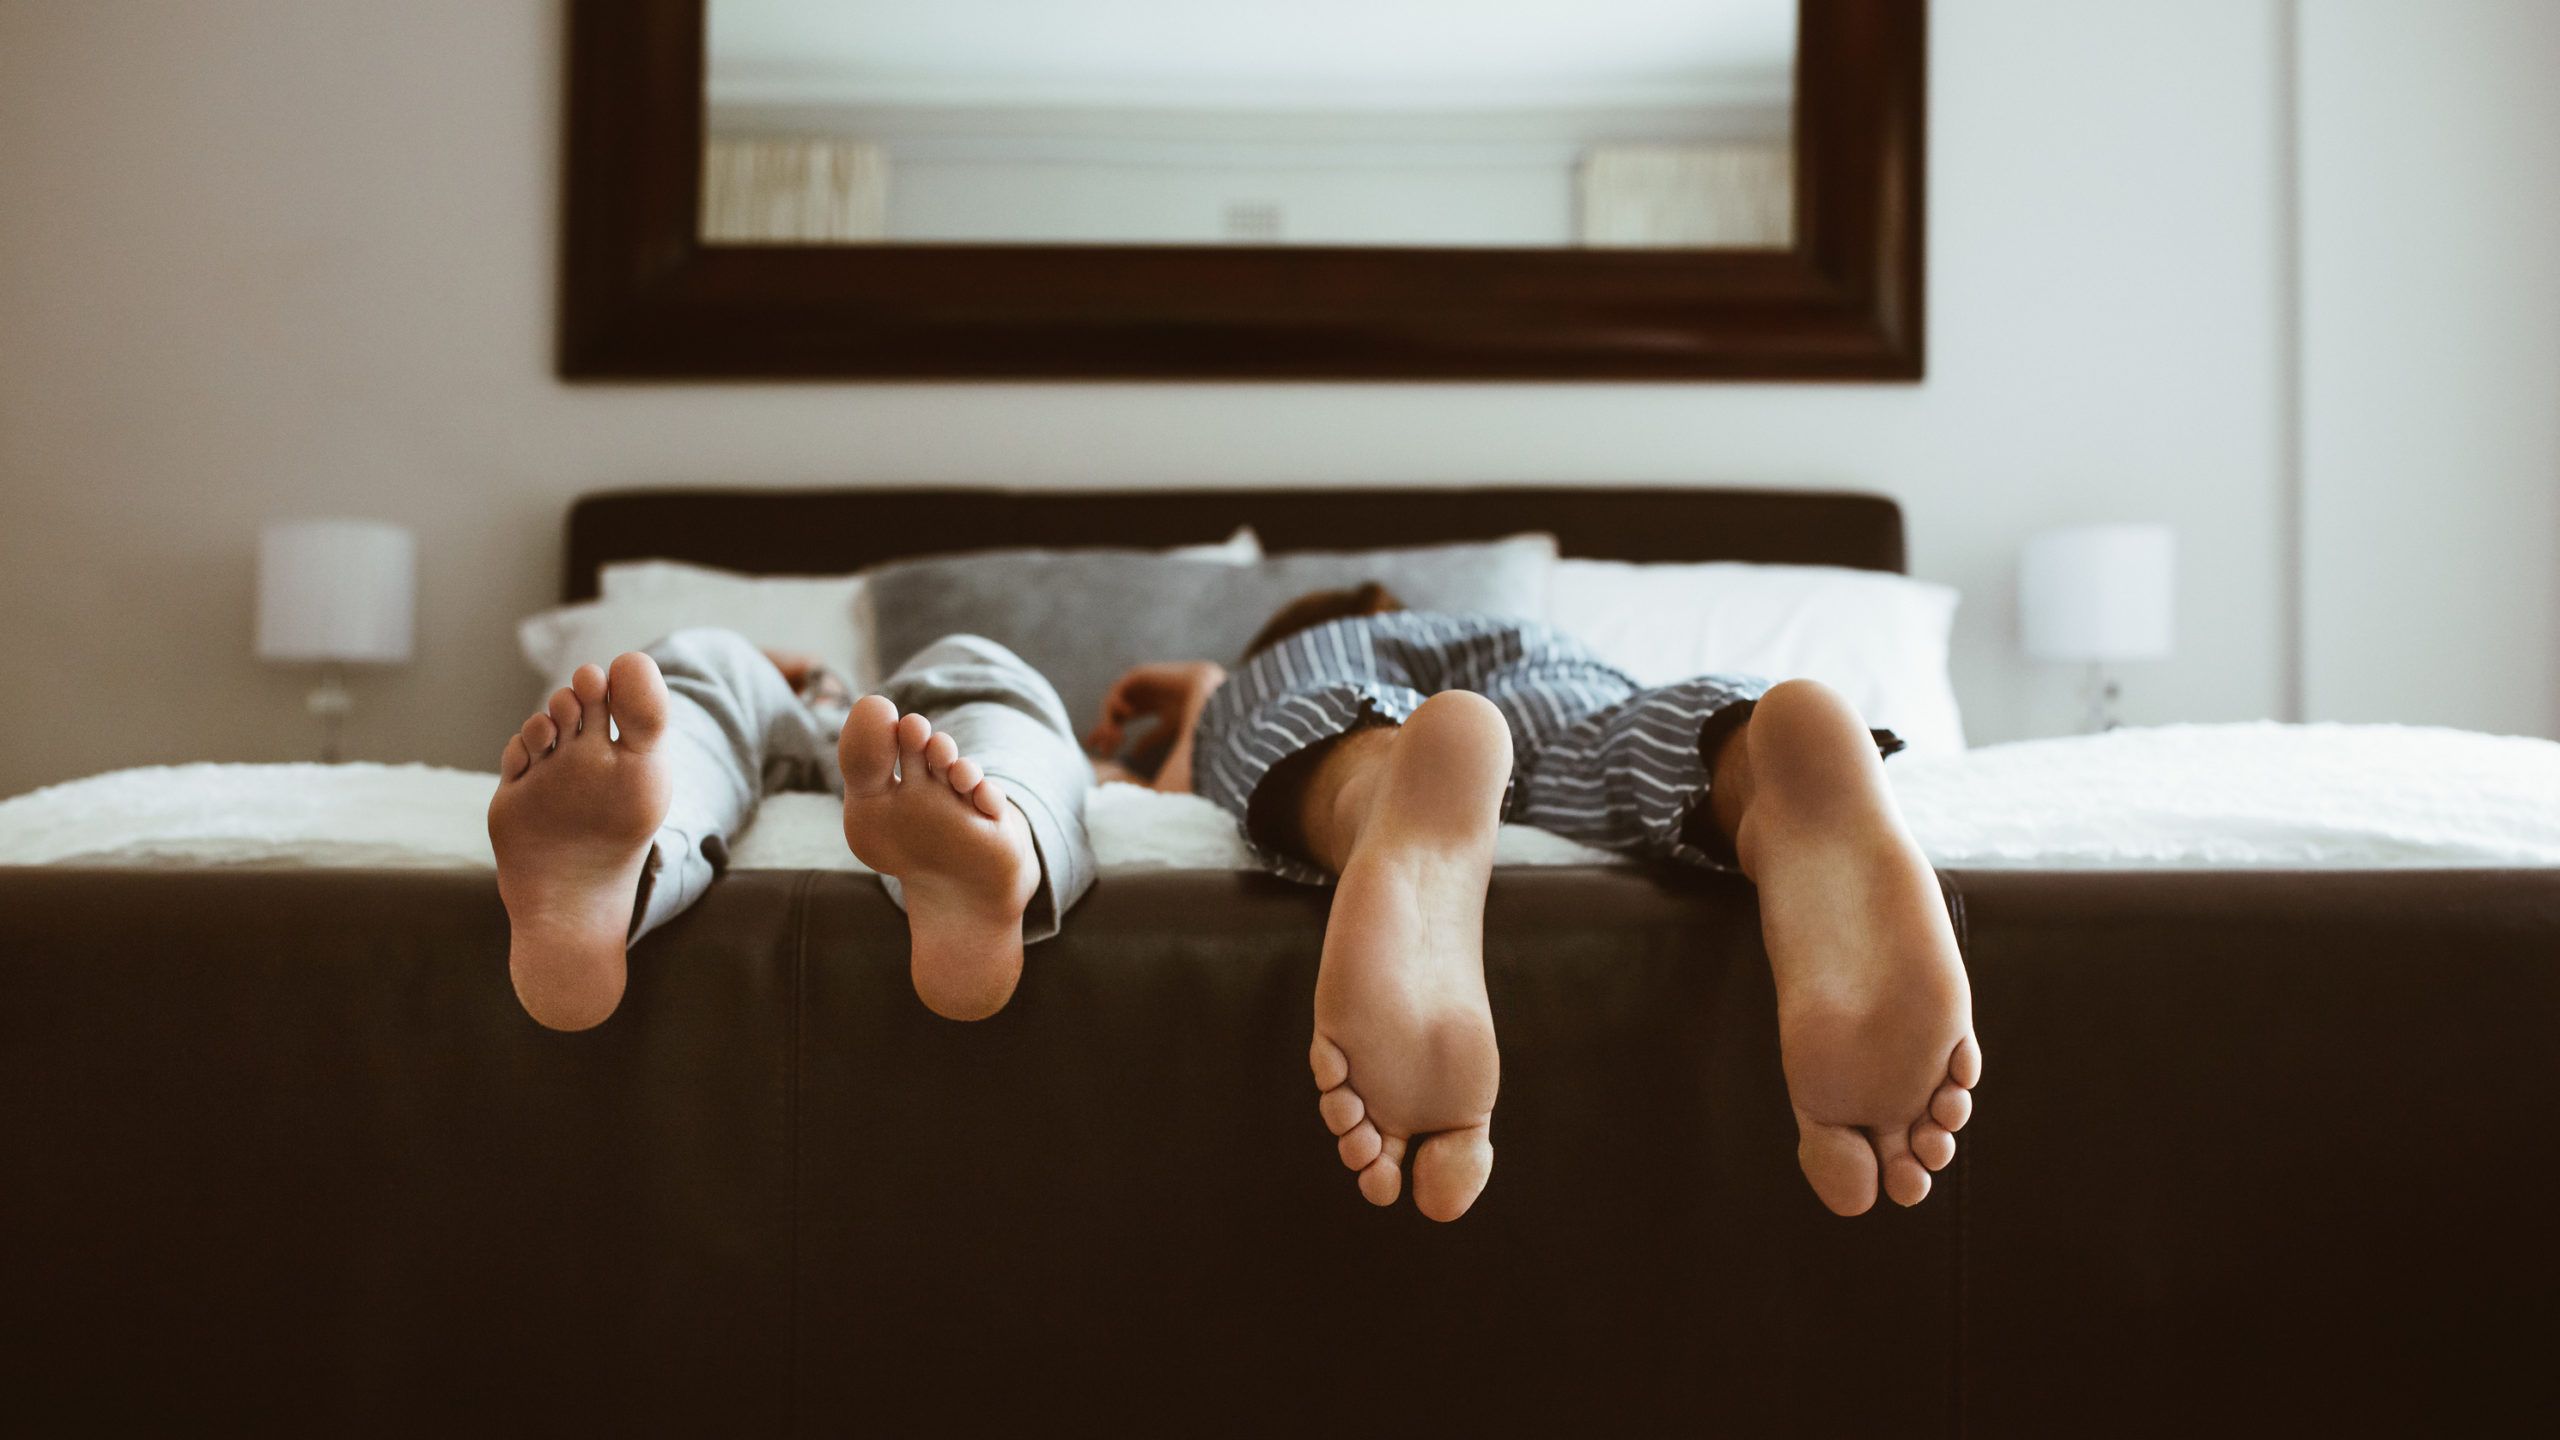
1595,757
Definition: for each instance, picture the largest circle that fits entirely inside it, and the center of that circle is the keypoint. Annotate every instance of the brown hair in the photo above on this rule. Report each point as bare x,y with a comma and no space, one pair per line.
1309,611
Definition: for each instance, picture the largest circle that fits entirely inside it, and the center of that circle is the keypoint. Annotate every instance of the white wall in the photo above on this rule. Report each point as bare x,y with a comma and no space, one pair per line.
2431,395
275,256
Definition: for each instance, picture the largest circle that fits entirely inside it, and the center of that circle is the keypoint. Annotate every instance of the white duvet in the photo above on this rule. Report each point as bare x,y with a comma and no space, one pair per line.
2183,795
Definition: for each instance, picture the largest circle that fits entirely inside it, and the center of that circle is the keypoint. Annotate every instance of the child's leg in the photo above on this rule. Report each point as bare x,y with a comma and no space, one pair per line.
736,732
991,853
1875,1018
600,840
1326,750
1404,1051
1875,1015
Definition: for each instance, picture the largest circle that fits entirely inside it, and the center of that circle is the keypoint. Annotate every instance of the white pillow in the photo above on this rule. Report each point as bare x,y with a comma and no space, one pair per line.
823,615
556,642
1242,548
1880,639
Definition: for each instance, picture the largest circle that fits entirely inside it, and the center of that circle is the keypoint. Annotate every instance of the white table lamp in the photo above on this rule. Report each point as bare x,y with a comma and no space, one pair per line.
336,593
2098,595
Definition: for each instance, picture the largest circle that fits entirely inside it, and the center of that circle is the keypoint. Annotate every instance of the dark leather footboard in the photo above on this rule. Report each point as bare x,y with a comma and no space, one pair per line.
282,1149
2264,1154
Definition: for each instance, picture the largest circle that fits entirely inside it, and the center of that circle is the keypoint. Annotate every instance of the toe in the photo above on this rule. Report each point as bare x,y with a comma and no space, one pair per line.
1360,1145
1383,1181
539,735
1932,1144
1838,1163
867,752
939,752
638,695
1905,1182
1341,1108
563,711
913,732
963,775
1450,1170
989,797
596,717
513,761
1965,1066
1951,1106
1332,1067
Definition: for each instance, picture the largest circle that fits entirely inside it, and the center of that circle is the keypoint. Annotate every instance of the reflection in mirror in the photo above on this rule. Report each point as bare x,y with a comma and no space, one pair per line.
1660,124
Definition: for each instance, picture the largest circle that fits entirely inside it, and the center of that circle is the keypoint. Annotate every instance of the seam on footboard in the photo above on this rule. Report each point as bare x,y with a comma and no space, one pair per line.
797,1001
1962,1298
1960,1283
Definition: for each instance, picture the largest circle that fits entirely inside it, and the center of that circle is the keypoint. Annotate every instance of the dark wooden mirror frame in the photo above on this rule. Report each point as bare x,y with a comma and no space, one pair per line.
642,297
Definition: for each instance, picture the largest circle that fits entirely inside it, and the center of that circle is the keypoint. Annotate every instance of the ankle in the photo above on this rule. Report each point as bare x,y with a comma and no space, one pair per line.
1340,795
1348,809
1730,783
1822,783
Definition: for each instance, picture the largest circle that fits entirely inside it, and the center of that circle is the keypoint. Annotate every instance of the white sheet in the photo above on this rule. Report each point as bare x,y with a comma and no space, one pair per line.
2349,796
2188,795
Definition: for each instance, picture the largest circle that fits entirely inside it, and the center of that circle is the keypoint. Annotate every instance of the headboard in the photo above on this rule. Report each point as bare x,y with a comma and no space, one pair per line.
821,532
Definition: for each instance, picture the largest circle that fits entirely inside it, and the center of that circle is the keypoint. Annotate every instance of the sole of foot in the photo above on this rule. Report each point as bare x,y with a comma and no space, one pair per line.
1875,1014
917,809
1404,1054
580,794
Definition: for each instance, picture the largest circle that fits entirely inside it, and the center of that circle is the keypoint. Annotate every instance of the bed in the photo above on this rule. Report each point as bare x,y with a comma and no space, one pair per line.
2257,1146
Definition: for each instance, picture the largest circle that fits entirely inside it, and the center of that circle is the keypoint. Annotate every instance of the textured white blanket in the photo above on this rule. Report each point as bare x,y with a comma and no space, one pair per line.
2187,795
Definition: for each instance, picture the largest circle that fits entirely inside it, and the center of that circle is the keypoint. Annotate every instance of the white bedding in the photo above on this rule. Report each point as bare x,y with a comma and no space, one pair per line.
2187,795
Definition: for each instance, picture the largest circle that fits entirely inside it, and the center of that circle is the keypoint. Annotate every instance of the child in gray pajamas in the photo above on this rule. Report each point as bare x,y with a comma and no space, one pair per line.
738,729
962,781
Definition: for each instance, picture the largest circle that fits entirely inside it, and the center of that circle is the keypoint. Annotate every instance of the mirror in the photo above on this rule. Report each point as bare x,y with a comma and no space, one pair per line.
1207,190
1506,124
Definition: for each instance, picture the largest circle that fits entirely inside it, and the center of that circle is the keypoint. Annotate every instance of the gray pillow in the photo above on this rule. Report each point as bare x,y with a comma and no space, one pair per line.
1084,616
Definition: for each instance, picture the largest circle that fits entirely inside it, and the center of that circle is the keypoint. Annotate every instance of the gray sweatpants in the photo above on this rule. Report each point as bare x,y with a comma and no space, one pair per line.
736,733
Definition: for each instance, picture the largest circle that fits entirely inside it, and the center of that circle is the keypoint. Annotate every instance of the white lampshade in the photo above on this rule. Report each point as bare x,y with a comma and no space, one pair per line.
336,590
2099,593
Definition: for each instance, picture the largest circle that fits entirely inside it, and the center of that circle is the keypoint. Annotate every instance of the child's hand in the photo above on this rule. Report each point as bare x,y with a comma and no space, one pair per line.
795,665
1163,699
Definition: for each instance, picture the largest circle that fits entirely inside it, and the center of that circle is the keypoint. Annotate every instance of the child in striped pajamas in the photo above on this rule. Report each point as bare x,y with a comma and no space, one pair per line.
1381,749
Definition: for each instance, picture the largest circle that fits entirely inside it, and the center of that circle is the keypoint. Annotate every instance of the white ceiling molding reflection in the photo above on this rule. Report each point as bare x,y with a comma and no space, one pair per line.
1403,56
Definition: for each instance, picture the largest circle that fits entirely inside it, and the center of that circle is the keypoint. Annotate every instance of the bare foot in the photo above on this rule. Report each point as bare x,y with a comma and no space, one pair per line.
1404,1047
571,822
915,808
1875,1018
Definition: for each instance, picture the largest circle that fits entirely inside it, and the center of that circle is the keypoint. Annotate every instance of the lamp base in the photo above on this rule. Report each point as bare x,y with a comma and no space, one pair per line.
2101,692
329,703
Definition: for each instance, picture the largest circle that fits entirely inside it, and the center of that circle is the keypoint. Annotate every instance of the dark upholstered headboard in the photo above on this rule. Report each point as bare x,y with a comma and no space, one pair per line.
821,532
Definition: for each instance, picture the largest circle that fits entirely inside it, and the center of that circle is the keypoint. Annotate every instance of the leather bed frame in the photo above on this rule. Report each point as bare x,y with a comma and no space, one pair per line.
2256,1151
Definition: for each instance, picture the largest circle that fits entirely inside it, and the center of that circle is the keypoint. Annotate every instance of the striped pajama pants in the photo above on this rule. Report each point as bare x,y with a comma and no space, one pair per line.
1595,756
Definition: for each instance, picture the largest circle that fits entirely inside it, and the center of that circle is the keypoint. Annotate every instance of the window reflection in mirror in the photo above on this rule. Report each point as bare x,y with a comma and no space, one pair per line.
1659,124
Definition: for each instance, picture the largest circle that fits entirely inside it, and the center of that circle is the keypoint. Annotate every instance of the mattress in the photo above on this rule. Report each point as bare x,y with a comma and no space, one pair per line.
2181,796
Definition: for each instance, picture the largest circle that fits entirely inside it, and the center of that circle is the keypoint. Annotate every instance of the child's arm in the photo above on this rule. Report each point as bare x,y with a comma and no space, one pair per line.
1175,775
1172,696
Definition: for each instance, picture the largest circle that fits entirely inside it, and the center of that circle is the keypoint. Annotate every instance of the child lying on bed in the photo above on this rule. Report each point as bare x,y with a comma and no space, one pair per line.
971,807
1357,742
